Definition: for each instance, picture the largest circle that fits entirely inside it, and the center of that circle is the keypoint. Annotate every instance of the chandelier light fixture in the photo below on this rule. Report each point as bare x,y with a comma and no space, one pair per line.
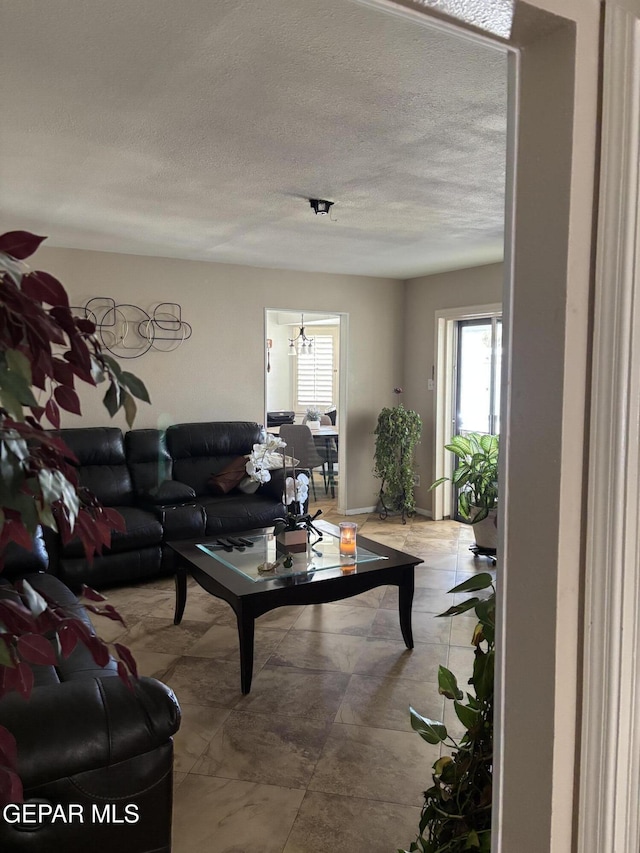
301,344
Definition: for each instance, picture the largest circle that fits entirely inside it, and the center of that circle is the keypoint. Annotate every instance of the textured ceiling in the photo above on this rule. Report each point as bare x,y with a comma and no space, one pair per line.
199,130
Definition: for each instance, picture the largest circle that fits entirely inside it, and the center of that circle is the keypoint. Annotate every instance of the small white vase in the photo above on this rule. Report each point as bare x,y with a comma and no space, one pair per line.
313,425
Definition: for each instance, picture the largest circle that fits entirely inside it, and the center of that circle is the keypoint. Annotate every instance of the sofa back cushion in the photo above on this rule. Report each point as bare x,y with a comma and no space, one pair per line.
202,449
101,462
148,459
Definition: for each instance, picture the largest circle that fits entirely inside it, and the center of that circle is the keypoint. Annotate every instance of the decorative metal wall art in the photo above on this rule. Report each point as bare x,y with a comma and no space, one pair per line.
128,331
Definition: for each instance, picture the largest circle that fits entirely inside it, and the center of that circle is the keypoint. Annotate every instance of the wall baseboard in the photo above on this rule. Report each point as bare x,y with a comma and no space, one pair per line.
426,512
364,510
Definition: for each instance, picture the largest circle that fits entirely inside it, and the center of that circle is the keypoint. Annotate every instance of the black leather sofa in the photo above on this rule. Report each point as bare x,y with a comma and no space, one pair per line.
86,740
159,482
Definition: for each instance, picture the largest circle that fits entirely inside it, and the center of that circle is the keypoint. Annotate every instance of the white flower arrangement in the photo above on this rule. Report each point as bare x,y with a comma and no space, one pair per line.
269,456
264,458
296,491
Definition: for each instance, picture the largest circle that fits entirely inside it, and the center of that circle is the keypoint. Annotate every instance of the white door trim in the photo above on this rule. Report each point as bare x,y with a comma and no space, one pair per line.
610,750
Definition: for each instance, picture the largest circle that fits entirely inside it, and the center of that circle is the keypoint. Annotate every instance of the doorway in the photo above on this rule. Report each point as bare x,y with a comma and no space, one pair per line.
476,379
467,380
304,369
477,375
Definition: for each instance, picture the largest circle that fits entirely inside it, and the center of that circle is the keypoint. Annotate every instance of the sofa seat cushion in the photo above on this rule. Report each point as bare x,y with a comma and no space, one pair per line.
143,529
236,512
128,567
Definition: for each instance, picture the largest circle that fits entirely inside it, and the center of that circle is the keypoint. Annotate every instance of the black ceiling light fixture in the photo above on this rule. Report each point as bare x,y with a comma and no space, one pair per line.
305,343
320,206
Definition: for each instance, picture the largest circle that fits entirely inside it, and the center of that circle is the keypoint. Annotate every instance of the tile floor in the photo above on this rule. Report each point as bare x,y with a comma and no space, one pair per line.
320,756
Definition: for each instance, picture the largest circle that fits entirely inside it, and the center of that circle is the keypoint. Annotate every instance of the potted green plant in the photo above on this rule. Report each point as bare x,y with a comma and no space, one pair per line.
456,815
397,433
476,477
312,417
44,351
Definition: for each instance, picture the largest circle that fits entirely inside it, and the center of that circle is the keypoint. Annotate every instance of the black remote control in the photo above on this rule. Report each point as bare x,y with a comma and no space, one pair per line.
246,542
226,545
237,543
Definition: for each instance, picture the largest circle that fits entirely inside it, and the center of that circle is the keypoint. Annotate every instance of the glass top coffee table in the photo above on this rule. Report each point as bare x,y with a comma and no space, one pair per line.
320,575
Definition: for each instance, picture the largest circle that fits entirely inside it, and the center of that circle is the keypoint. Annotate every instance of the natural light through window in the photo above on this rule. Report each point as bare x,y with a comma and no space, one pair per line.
315,376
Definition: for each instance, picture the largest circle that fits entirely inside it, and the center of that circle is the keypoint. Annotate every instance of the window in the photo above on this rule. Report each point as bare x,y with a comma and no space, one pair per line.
315,376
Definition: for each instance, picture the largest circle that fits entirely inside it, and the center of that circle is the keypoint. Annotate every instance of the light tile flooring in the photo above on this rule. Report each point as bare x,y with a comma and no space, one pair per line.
320,756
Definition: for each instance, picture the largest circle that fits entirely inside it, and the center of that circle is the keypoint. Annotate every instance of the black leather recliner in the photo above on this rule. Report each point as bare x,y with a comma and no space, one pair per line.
173,503
135,553
158,482
84,738
201,449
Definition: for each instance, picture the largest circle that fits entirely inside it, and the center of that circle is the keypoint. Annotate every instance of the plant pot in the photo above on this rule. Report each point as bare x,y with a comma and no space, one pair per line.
291,541
313,425
486,531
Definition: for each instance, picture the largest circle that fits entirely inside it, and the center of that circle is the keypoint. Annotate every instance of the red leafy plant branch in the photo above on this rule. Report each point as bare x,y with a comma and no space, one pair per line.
38,484
44,350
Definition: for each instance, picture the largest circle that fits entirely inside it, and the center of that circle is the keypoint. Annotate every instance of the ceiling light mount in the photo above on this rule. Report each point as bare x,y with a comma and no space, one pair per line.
320,206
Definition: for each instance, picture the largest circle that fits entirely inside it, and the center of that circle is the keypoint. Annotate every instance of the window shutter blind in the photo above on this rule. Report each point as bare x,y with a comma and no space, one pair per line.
315,380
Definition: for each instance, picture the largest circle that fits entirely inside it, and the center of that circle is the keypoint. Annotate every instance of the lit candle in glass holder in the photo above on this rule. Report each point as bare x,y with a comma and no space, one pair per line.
348,538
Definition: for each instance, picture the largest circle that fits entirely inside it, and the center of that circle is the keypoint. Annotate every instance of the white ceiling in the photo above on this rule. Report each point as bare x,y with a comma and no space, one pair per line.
200,129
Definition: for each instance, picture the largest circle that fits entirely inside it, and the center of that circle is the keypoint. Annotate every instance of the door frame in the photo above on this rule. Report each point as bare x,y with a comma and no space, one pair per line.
444,402
343,364
610,740
554,133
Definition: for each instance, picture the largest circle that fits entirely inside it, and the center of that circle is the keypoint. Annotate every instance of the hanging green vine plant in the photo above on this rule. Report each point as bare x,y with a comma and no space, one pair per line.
397,433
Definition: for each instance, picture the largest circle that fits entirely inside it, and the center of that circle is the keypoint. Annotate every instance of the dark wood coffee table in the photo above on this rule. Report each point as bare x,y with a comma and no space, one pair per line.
249,597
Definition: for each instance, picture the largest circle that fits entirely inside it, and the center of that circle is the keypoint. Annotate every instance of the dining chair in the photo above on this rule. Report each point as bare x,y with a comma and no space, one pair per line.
300,444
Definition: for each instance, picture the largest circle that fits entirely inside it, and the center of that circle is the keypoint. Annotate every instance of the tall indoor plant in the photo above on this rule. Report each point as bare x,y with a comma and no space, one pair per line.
44,350
476,477
397,433
456,815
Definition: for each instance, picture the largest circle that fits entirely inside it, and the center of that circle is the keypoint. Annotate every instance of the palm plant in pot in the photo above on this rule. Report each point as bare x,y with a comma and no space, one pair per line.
44,351
476,478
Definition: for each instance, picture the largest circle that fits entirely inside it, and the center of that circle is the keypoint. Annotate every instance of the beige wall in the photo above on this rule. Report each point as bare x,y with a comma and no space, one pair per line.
219,373
423,297
279,383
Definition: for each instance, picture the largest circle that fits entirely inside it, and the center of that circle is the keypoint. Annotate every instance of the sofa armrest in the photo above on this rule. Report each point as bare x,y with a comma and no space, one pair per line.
77,726
168,492
185,521
19,561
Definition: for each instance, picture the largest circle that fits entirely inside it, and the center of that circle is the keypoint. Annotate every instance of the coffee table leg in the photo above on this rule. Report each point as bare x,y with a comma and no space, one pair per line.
405,598
245,633
180,578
